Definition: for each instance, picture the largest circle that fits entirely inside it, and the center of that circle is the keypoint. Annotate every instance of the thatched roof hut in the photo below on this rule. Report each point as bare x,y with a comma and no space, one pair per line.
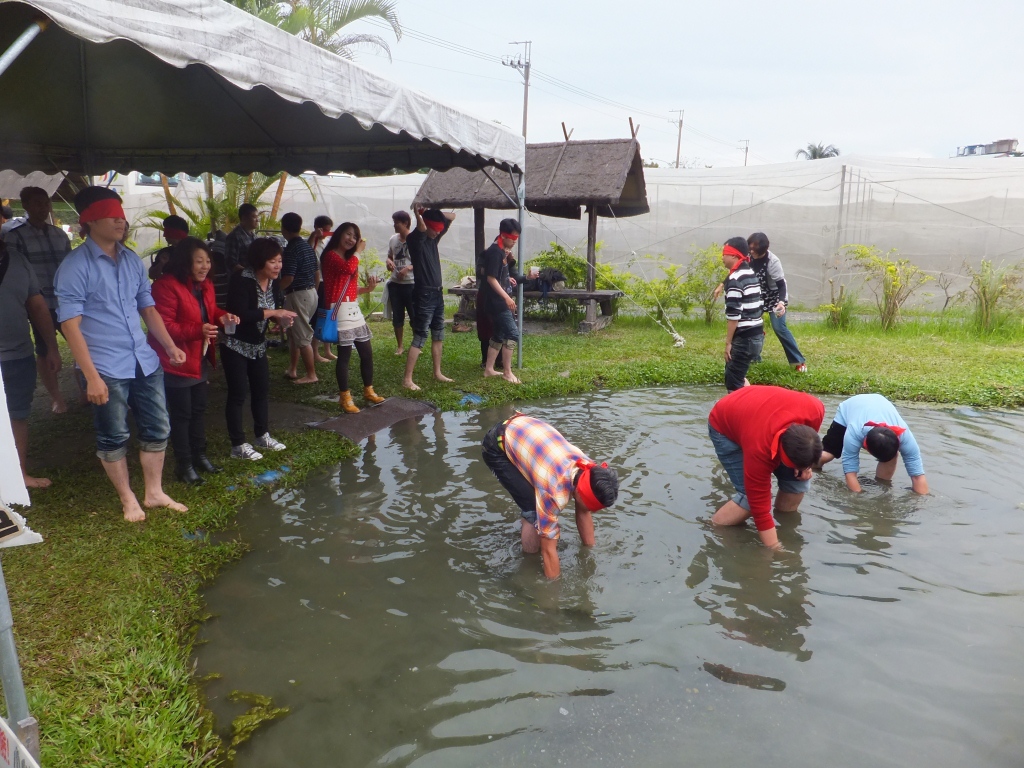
606,176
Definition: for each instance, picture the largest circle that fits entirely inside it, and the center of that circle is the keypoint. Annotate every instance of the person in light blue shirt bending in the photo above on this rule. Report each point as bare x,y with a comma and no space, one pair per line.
103,294
873,423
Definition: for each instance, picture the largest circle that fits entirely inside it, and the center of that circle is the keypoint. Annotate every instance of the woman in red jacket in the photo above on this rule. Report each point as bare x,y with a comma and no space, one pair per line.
185,300
339,266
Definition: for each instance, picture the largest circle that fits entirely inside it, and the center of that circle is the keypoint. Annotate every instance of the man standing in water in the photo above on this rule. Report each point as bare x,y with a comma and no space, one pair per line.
873,423
757,432
428,296
543,472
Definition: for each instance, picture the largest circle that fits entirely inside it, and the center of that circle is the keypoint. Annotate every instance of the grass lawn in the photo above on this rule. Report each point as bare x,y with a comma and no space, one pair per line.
105,612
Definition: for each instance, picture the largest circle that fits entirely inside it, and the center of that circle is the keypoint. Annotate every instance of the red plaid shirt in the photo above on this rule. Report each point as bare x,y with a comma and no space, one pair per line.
548,461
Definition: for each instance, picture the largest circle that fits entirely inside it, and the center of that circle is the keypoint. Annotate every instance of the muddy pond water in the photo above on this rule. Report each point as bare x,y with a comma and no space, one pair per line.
388,605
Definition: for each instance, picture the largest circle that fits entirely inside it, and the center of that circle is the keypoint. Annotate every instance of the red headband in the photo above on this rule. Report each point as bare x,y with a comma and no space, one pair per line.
898,430
730,251
437,226
778,450
510,236
102,209
176,230
583,484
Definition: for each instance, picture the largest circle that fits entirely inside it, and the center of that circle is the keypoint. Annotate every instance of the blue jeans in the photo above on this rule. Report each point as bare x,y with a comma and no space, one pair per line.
731,456
786,338
428,311
145,396
745,350
505,330
19,385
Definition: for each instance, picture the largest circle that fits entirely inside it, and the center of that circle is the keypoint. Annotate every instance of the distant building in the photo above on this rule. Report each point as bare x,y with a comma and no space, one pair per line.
1001,148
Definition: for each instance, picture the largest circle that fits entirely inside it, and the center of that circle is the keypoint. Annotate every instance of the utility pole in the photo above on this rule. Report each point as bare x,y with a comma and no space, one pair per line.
522,64
679,141
746,151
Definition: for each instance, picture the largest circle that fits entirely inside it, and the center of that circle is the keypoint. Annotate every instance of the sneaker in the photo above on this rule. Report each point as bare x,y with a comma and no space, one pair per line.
801,368
245,451
269,443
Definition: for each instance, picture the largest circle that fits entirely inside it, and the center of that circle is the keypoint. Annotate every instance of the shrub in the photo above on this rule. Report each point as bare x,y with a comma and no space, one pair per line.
660,295
892,279
369,264
840,311
704,274
994,293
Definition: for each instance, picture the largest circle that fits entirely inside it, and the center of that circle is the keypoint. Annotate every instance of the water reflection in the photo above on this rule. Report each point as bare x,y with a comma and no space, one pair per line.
389,605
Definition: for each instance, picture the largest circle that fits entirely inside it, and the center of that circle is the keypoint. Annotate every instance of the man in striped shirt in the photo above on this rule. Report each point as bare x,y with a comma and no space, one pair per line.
543,472
744,336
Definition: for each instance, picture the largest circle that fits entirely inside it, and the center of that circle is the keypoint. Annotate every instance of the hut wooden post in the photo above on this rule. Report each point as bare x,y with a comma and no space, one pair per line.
478,232
591,322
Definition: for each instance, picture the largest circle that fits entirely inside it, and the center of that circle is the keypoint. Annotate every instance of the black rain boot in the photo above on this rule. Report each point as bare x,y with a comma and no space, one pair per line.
187,474
203,464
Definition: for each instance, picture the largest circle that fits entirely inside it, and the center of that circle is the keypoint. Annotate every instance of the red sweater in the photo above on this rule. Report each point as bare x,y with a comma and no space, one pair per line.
335,270
754,418
180,312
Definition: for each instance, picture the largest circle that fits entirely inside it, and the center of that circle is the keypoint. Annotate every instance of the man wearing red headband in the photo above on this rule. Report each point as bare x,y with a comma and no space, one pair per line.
543,472
103,295
499,275
175,230
761,431
744,334
871,422
428,290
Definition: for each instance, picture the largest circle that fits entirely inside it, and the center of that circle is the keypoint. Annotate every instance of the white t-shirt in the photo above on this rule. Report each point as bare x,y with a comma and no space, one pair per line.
398,252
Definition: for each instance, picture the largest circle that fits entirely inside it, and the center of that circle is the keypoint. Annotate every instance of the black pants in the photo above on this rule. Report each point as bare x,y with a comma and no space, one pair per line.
186,407
246,376
745,349
511,479
365,364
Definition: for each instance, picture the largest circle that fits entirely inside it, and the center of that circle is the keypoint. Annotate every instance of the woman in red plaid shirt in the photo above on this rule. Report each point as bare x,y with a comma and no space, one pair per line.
544,472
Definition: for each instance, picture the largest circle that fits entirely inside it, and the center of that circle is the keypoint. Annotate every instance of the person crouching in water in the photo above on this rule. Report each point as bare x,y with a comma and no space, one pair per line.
759,431
499,306
873,423
744,336
340,268
543,472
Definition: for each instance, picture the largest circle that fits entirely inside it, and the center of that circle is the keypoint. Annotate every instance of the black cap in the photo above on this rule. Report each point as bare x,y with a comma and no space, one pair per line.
91,195
510,226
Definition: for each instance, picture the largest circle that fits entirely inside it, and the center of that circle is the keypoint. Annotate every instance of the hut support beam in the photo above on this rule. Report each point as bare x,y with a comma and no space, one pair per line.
592,321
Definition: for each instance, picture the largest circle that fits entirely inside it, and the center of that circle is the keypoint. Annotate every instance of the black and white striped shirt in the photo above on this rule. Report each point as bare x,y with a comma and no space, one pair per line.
743,300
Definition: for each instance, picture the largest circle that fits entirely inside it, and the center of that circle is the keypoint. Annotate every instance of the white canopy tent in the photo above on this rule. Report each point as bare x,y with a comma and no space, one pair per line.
200,85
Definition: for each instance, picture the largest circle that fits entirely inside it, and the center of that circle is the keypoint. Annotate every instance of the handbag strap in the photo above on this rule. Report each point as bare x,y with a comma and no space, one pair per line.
341,298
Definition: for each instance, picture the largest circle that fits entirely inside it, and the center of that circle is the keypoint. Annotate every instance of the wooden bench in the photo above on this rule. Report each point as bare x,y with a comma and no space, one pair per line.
591,299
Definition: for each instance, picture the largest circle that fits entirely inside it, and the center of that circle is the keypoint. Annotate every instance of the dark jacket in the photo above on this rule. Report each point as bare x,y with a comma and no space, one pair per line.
179,310
243,300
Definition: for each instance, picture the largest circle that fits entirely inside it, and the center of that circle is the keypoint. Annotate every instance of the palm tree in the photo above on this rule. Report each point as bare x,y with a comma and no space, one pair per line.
817,152
321,21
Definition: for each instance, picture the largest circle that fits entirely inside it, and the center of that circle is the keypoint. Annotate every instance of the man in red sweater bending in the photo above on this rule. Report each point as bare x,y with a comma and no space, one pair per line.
761,431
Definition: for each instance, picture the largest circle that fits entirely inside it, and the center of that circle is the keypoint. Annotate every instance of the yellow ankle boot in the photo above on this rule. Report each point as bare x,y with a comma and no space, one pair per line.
345,401
371,397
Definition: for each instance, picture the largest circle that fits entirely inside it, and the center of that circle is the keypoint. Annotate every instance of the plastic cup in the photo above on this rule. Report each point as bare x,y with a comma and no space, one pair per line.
534,271
229,327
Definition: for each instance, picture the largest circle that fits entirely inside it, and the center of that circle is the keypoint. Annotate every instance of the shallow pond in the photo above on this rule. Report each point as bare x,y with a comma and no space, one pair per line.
387,603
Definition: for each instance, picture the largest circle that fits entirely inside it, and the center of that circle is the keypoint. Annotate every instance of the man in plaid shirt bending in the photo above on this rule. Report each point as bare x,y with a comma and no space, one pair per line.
544,472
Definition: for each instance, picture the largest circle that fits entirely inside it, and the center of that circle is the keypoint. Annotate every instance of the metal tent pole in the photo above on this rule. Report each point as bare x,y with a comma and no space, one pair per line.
21,43
23,724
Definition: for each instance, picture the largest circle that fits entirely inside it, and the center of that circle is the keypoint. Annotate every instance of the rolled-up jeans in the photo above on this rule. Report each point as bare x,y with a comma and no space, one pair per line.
145,396
785,336
731,456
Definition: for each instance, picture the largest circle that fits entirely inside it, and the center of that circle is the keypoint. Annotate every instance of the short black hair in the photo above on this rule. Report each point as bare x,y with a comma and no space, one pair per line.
246,209
739,244
323,221
435,214
180,262
27,193
510,226
6,212
291,222
802,444
882,443
402,217
262,250
759,242
605,485
175,222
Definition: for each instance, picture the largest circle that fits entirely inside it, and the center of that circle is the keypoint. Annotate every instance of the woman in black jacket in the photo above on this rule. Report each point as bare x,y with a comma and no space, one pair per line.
255,296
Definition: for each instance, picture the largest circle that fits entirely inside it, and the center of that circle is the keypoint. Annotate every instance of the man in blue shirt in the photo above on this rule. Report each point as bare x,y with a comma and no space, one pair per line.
873,423
299,278
103,294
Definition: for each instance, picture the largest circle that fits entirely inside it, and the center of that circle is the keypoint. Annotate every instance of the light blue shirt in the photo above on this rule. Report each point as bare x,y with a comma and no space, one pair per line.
108,295
854,415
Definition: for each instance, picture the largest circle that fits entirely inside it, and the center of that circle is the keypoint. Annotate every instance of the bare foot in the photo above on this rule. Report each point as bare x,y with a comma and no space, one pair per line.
442,377
59,406
323,359
511,378
410,384
331,356
37,482
399,352
306,380
491,372
133,512
163,500
291,375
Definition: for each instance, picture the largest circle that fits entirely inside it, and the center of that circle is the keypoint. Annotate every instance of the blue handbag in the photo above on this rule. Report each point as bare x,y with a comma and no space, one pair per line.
326,328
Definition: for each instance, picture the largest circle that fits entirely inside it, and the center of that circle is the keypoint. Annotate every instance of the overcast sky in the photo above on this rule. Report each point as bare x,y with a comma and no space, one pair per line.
912,79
